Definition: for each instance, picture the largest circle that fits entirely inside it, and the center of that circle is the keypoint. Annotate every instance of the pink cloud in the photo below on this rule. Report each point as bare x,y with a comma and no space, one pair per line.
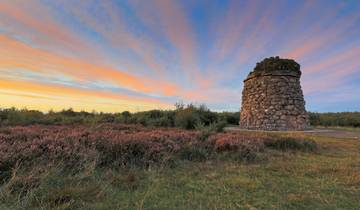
331,78
15,54
169,19
232,28
118,34
350,55
35,21
320,38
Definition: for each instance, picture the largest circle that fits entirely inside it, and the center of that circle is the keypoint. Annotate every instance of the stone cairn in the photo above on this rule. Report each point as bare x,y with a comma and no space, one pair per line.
272,98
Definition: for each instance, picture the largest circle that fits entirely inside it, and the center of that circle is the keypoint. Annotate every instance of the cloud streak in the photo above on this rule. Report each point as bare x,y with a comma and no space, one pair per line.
159,52
61,92
15,54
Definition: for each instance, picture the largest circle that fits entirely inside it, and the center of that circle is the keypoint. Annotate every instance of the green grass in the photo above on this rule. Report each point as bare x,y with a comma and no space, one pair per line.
326,179
351,129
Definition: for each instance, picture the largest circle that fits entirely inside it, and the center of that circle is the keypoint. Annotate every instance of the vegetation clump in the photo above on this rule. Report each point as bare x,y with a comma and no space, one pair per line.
91,166
184,116
120,145
343,119
188,117
274,64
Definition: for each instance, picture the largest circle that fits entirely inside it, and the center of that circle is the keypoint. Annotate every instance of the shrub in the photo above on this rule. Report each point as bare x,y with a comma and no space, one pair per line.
191,116
218,126
231,118
124,146
350,119
184,117
118,145
187,118
235,142
240,147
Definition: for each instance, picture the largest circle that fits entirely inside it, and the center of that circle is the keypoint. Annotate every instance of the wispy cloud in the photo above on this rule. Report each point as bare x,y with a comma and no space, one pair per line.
158,52
331,78
35,23
15,54
170,18
320,37
61,92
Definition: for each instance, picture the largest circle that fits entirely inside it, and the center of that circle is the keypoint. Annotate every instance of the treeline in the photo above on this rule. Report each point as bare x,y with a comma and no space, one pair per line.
347,119
184,116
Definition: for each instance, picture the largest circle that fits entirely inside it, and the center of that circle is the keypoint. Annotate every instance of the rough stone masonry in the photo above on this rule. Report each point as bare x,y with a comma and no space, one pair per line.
272,98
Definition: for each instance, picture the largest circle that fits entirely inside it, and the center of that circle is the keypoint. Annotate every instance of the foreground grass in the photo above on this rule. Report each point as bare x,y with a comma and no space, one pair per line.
326,179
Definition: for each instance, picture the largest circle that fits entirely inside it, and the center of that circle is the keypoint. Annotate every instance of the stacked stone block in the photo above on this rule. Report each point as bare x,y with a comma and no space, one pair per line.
272,98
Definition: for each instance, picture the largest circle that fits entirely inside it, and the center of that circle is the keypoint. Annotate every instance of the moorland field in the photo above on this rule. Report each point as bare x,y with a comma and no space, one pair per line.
180,159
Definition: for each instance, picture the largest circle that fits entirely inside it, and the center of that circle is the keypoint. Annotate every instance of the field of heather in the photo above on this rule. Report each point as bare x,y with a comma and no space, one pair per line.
117,166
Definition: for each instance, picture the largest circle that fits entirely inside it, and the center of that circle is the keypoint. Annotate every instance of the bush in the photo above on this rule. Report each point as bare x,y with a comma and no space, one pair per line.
109,144
349,119
231,118
239,147
191,116
213,127
187,118
127,146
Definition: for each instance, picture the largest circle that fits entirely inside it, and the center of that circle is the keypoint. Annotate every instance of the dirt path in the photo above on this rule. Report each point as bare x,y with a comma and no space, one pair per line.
328,132
334,133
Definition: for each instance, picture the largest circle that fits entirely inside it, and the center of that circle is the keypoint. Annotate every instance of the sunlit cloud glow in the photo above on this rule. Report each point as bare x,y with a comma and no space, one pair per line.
139,55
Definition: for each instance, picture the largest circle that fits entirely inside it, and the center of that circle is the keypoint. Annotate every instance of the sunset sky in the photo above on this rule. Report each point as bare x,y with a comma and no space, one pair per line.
138,55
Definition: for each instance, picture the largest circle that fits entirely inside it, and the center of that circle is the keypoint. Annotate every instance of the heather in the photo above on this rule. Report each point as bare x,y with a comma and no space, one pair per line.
123,146
125,166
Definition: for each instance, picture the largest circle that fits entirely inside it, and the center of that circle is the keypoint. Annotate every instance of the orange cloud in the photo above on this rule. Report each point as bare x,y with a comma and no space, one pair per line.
51,91
14,54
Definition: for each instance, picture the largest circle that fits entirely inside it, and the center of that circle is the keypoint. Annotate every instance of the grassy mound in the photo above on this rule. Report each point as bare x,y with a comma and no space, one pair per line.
276,64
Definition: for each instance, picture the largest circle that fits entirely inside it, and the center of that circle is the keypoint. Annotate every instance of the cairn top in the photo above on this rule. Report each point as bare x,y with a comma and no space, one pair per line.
276,66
